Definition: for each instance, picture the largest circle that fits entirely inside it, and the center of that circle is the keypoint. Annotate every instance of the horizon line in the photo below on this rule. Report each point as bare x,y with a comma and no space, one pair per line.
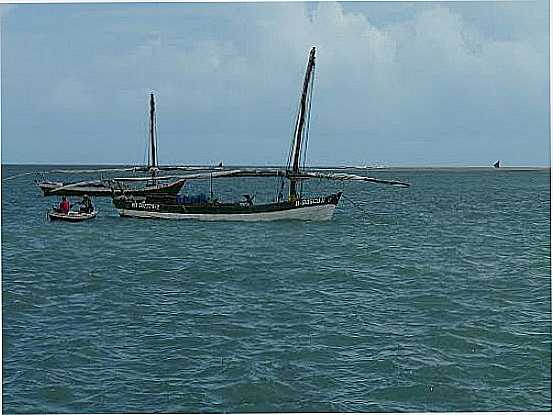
376,166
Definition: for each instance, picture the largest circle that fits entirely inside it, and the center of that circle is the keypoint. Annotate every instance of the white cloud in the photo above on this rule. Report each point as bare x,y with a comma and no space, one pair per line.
430,76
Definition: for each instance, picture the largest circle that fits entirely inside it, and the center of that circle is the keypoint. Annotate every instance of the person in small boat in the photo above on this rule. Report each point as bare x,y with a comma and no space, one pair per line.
249,200
86,205
64,205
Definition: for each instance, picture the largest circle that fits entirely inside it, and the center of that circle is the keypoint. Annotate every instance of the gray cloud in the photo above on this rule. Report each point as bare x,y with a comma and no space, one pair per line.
427,85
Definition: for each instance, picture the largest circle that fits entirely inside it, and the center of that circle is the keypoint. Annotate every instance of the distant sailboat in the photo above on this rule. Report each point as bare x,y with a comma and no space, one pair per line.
496,164
102,187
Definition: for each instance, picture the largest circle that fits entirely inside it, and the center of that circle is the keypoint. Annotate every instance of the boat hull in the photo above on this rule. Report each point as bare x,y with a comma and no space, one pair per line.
310,213
71,216
320,209
61,189
49,189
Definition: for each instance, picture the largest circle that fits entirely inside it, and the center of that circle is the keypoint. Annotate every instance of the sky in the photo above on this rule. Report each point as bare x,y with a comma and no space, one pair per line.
396,83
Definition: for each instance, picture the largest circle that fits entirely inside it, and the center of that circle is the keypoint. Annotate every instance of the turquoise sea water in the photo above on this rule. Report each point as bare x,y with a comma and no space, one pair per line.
433,298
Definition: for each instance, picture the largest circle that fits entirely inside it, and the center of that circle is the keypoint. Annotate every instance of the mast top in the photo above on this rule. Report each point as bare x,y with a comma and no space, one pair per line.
152,104
304,108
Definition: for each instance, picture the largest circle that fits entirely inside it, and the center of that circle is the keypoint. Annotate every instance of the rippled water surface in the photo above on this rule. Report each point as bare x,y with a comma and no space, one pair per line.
431,298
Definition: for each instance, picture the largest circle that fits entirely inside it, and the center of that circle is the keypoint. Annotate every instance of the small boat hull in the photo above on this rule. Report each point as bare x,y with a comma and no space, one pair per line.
71,216
318,209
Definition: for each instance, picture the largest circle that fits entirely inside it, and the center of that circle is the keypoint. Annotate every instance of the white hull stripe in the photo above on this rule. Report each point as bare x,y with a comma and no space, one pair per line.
315,213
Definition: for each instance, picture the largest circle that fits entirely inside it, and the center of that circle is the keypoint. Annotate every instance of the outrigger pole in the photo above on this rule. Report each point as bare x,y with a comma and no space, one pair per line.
298,135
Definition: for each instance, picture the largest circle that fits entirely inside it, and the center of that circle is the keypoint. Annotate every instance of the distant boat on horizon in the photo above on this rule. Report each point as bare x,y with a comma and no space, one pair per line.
496,164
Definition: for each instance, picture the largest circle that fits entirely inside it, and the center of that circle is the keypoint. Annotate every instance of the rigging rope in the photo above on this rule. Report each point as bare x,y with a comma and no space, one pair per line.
308,119
309,100
155,139
355,205
146,140
290,154
292,140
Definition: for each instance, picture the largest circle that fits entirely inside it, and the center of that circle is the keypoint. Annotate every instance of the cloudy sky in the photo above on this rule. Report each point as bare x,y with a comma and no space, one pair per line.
398,83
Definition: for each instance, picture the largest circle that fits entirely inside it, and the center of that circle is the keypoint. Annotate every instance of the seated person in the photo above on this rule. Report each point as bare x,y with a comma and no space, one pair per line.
249,201
86,205
64,205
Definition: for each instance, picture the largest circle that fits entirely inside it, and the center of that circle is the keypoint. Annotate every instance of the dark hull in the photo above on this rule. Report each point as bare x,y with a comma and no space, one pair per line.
53,189
321,208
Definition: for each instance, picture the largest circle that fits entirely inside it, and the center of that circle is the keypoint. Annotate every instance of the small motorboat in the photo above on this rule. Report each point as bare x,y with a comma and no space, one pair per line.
71,216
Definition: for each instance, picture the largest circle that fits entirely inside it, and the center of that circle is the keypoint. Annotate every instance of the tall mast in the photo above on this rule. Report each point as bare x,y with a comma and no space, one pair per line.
300,122
152,156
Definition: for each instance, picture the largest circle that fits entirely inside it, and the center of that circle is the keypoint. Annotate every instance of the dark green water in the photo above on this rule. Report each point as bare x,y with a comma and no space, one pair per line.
437,299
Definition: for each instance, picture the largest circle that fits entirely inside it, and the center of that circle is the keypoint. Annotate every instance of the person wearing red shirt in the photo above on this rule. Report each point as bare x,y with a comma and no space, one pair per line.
64,205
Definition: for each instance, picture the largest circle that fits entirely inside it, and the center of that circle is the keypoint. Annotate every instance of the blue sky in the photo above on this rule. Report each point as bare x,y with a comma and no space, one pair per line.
398,83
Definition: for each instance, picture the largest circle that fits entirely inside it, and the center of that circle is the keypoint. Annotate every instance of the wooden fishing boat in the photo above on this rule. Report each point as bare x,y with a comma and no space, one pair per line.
105,188
317,209
295,207
71,216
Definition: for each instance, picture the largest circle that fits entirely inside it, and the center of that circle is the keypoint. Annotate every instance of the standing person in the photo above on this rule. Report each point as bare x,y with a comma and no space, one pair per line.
64,205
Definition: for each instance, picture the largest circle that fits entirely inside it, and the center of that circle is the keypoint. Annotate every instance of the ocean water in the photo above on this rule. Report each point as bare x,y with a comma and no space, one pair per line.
431,298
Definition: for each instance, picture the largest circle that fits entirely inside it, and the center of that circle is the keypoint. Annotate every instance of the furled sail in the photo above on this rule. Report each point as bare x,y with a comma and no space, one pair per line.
134,169
191,168
69,171
83,183
270,172
218,174
64,188
350,177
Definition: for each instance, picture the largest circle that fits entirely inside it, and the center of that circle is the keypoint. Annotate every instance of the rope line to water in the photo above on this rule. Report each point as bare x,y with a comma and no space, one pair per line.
355,205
